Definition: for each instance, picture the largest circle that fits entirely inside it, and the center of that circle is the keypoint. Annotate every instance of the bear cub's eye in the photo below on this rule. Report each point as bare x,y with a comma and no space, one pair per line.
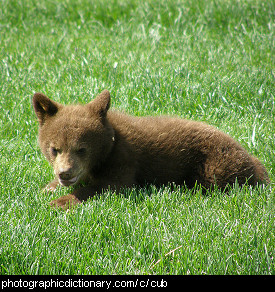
54,151
81,151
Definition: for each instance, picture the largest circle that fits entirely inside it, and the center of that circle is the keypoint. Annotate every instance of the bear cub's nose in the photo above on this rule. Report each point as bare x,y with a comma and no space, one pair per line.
65,174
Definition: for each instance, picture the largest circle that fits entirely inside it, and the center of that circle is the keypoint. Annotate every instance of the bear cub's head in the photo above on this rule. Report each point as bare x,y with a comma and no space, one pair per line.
75,139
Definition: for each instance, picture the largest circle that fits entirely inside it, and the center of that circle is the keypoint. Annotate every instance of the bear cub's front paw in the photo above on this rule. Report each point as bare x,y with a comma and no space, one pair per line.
65,202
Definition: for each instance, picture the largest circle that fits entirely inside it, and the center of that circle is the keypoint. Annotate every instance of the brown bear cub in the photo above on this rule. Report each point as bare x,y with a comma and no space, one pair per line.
98,149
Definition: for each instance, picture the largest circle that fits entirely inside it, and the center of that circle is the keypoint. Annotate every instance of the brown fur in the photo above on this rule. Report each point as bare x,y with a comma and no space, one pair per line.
99,149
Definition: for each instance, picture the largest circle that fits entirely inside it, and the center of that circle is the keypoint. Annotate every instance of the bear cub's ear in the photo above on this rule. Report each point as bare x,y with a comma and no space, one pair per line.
44,107
101,103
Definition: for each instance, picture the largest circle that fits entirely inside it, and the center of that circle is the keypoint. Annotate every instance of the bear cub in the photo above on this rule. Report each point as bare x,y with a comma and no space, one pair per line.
95,148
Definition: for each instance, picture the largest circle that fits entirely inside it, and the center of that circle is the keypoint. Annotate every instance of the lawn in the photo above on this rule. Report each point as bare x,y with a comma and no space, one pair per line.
211,61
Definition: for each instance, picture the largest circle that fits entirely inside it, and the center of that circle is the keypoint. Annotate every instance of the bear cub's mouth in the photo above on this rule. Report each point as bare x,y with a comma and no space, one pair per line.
69,182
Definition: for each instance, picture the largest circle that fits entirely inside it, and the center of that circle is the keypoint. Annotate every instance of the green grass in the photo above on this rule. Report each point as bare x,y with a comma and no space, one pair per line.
205,60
